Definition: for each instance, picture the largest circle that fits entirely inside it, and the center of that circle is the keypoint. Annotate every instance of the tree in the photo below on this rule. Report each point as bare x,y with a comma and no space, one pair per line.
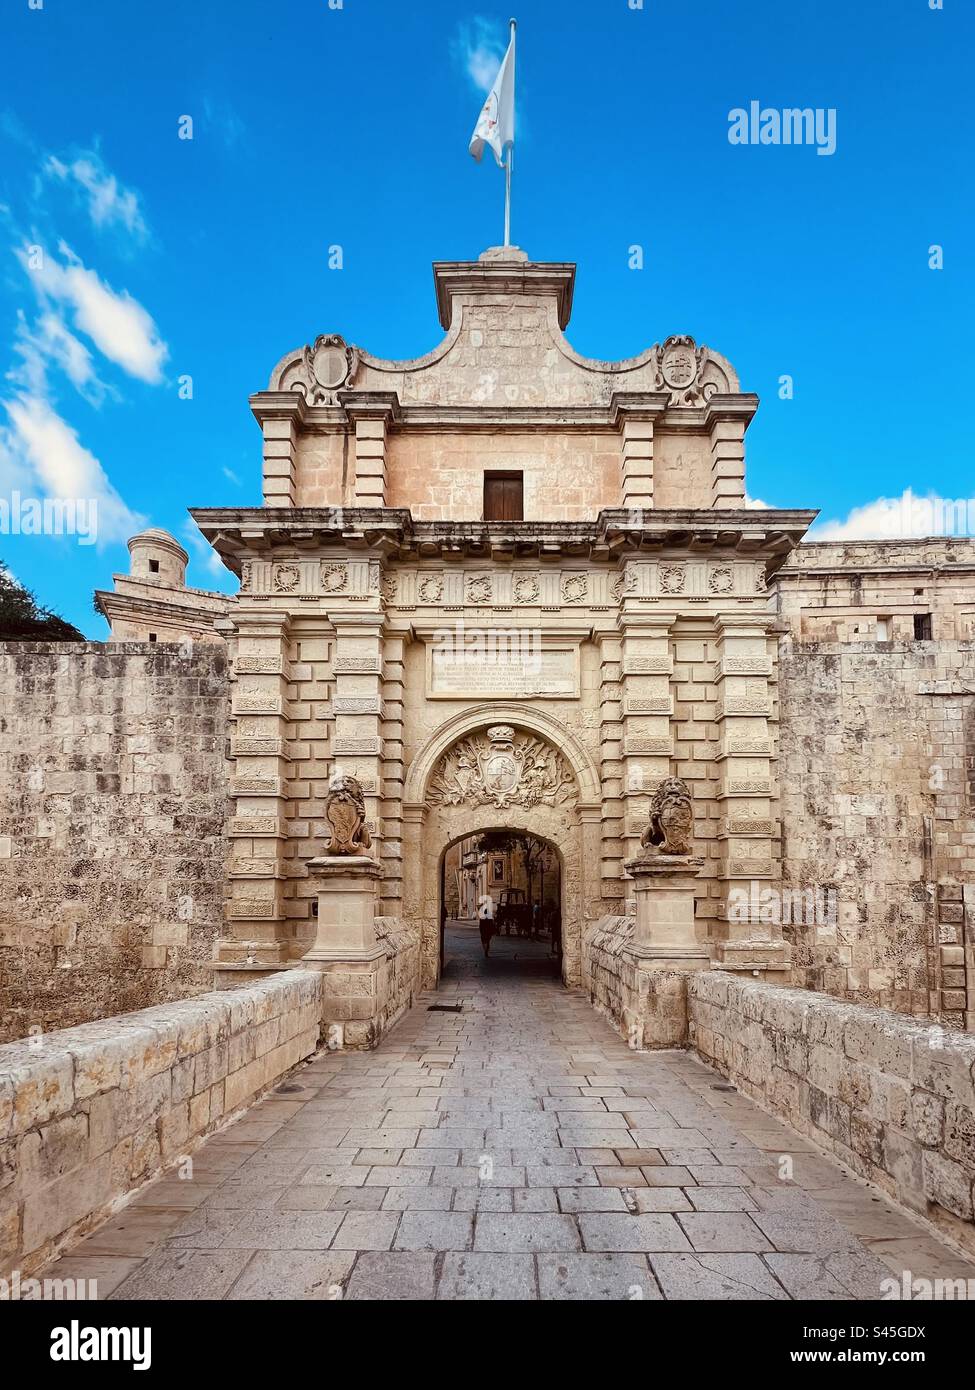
23,619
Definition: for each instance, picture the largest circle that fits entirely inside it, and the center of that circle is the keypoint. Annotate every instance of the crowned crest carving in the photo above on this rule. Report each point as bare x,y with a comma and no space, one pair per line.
502,768
345,811
321,369
687,371
671,818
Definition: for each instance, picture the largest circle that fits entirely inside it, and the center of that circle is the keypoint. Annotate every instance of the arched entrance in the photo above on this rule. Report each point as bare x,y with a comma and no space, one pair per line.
521,874
512,767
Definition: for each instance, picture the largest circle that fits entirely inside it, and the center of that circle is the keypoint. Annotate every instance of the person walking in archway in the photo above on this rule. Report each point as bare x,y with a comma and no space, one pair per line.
485,922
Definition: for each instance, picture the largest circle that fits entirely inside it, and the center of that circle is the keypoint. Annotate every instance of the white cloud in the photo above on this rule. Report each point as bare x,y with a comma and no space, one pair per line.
756,504
202,549
117,324
229,473
479,47
109,202
44,446
901,518
48,341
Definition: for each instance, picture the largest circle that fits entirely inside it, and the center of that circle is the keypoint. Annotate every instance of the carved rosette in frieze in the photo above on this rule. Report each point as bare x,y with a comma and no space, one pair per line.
285,578
429,588
334,578
525,588
478,588
502,768
721,579
575,588
671,579
246,576
388,587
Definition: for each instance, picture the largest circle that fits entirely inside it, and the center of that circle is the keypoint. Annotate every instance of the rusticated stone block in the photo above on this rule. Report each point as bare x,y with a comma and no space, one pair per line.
948,1183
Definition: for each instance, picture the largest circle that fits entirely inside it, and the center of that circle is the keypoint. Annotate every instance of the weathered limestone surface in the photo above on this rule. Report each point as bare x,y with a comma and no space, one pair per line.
113,822
850,591
877,772
893,1099
98,1110
647,1007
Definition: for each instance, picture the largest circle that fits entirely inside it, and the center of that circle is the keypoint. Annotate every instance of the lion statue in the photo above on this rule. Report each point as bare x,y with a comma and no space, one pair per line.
671,818
345,811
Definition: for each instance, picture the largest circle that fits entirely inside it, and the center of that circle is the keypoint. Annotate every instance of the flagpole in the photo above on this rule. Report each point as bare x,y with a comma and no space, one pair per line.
507,167
507,197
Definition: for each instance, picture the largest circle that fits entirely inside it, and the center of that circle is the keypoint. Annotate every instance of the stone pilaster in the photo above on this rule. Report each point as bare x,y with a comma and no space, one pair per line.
750,926
393,772
257,927
371,414
611,764
648,744
279,471
357,704
728,422
634,414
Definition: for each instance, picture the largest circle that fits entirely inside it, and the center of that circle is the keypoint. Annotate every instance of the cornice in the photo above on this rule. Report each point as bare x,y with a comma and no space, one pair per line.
392,533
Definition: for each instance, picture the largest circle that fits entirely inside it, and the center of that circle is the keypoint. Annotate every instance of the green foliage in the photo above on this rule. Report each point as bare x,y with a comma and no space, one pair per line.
23,619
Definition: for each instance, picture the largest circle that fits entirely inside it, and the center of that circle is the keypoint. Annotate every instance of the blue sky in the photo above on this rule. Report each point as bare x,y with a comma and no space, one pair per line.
315,125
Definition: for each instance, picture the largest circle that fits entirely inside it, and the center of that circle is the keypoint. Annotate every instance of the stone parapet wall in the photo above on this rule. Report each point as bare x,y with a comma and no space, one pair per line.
647,1007
877,777
362,1000
113,826
93,1112
888,1096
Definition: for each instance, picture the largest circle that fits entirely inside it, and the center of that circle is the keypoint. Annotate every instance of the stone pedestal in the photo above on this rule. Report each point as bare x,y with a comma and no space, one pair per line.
346,950
665,937
664,948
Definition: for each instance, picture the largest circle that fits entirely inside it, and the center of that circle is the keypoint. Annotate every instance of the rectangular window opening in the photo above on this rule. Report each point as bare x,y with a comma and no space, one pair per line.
504,496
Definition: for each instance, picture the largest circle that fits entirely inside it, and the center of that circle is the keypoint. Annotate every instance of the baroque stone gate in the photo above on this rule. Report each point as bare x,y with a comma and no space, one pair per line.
501,584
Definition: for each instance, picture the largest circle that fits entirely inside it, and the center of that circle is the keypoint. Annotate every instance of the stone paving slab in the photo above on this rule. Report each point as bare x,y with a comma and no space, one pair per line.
517,1150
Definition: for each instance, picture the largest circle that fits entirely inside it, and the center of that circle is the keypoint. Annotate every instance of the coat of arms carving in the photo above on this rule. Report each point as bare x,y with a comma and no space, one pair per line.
502,769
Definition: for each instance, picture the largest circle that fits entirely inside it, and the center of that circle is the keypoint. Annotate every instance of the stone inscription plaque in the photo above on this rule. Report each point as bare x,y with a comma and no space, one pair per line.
516,671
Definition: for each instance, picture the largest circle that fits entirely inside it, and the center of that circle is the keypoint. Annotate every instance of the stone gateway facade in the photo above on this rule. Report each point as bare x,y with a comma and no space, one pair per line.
506,587
499,588
502,586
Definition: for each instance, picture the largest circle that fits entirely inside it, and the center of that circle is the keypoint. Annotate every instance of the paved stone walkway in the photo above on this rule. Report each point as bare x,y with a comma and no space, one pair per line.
513,1150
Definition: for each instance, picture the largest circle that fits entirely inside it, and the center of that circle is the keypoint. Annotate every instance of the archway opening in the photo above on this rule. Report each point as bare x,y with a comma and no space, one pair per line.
516,877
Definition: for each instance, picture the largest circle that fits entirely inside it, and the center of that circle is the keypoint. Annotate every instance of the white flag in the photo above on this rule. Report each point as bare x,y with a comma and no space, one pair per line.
496,123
